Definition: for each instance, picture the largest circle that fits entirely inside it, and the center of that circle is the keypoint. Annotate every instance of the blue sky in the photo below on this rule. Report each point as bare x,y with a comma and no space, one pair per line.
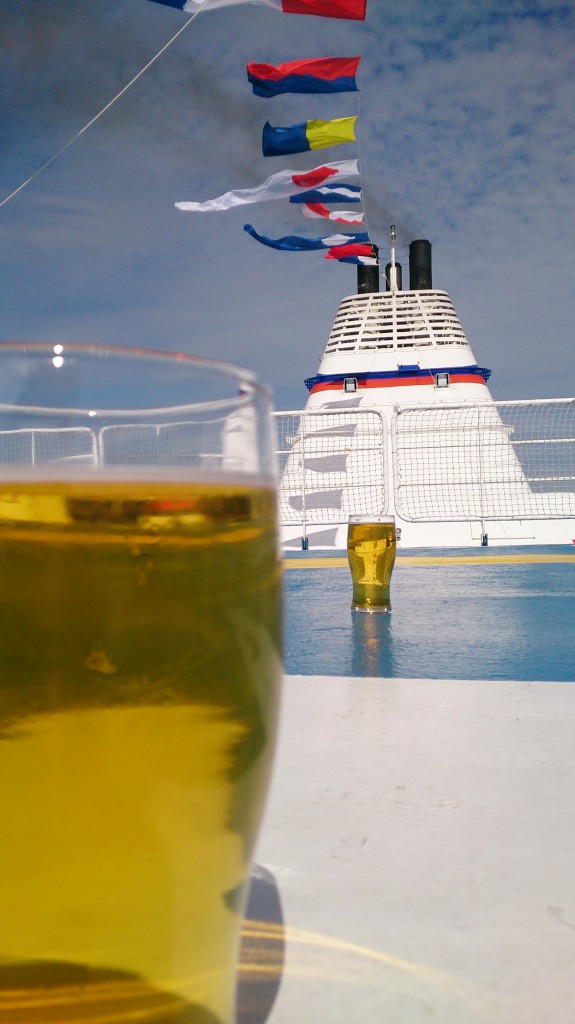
466,137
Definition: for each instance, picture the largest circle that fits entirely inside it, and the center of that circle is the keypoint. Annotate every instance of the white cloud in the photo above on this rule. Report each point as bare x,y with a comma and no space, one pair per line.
466,137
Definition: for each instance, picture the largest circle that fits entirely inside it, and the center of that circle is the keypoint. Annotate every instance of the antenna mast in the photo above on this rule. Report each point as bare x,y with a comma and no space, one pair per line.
392,269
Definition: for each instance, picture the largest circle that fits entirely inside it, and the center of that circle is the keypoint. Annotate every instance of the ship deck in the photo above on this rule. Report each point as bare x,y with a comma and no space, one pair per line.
416,861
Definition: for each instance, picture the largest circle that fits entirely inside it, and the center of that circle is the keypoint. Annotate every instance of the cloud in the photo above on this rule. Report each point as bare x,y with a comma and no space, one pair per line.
466,137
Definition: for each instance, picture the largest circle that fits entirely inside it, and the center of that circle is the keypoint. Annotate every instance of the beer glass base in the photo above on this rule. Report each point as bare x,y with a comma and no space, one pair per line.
372,609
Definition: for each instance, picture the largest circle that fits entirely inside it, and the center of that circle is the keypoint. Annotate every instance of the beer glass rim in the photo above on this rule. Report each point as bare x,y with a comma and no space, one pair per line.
247,380
84,408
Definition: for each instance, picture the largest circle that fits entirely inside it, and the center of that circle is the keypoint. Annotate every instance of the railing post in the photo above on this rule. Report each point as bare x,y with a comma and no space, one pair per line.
484,537
394,460
304,537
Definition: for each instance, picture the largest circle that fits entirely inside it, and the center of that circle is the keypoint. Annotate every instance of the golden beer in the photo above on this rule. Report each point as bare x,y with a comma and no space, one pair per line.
139,679
371,548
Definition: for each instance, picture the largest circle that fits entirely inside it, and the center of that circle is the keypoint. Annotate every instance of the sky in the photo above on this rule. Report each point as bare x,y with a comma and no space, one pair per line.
466,137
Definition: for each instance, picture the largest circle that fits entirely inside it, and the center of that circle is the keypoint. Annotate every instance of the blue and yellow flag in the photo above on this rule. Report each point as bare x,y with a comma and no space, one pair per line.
299,138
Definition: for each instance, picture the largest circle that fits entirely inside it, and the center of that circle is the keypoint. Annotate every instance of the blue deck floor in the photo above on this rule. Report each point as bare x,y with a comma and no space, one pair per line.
449,621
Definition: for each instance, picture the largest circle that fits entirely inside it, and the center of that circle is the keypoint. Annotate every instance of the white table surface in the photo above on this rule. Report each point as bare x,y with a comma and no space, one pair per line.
422,837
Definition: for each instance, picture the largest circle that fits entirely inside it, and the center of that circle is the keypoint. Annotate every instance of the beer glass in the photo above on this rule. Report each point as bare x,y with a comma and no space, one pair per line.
139,676
371,547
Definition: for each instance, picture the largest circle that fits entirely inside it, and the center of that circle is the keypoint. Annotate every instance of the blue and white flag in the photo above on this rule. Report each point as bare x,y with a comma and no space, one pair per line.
329,194
293,243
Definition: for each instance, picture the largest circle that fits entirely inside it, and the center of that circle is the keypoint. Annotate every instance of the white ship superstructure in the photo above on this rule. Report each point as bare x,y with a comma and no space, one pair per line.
407,349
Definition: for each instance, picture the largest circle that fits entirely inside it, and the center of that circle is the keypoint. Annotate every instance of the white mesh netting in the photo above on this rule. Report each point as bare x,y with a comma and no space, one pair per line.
332,465
506,460
43,446
499,461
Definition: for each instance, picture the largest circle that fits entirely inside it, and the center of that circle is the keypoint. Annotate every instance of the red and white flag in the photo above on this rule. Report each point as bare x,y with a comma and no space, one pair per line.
339,216
352,10
278,186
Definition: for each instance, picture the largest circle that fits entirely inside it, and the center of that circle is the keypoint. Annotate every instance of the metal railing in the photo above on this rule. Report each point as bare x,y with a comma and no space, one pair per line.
466,462
442,463
332,464
43,445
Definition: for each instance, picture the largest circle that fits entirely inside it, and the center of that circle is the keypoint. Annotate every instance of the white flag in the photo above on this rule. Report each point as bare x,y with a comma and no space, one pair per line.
278,186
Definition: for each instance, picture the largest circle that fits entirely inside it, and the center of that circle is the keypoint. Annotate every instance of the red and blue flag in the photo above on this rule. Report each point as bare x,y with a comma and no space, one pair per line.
319,75
355,252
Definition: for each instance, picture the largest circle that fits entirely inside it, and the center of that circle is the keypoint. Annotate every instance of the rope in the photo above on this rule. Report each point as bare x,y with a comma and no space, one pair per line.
103,110
359,159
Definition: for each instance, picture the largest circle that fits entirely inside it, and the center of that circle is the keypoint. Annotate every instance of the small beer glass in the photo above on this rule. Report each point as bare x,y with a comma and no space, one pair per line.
371,548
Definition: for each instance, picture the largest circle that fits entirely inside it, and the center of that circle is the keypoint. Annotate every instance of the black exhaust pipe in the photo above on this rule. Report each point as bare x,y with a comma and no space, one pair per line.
368,277
420,265
389,270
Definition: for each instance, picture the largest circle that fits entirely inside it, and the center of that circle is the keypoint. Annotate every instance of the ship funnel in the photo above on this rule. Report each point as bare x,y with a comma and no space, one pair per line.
393,277
368,276
367,279
420,265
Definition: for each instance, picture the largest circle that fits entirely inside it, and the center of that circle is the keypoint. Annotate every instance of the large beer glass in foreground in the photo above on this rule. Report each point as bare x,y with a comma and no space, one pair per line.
371,549
139,675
